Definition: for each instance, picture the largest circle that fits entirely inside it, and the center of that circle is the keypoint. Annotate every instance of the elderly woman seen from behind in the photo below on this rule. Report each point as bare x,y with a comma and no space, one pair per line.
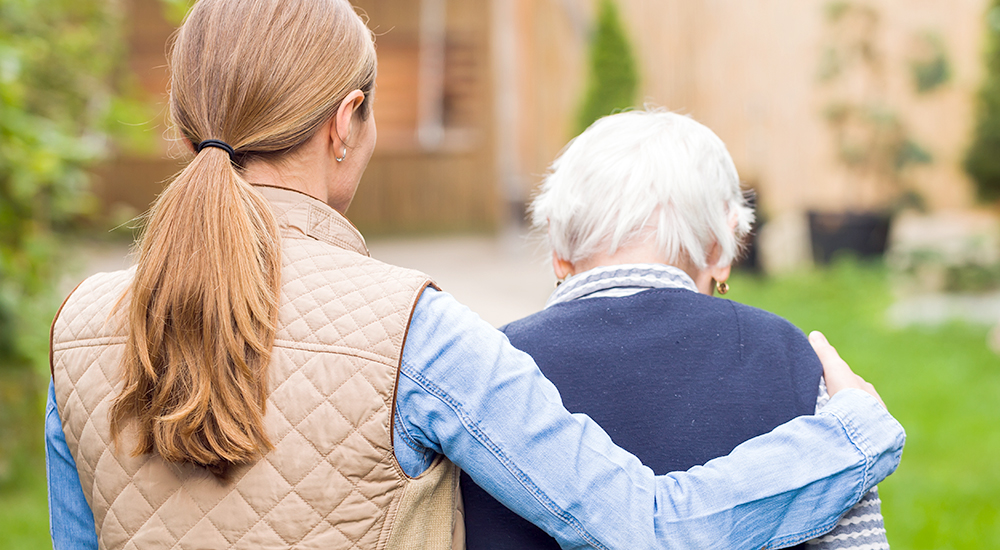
645,216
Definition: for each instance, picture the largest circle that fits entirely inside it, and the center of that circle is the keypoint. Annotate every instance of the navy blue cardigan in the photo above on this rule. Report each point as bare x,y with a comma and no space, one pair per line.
675,377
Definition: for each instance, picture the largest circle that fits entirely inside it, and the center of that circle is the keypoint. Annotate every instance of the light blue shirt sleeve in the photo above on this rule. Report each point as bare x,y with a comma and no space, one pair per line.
71,522
465,392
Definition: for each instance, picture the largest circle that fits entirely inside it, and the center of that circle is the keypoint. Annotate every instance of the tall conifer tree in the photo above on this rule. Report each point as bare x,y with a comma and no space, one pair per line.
613,80
983,159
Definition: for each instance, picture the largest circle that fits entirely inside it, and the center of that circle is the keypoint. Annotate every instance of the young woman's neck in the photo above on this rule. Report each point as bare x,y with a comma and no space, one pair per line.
305,171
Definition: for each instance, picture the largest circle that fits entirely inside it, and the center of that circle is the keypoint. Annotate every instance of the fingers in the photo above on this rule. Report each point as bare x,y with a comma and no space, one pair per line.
836,371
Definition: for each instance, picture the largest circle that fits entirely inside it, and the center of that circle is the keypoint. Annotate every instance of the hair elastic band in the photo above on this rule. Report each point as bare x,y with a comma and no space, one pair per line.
217,143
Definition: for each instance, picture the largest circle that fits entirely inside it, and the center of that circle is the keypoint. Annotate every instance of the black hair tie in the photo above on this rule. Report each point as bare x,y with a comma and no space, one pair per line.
219,144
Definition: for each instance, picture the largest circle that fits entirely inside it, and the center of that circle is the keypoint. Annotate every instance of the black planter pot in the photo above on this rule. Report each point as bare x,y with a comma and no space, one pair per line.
862,233
749,260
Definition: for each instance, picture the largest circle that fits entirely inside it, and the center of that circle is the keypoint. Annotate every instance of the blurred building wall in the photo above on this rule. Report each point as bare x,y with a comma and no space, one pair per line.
476,97
750,71
433,168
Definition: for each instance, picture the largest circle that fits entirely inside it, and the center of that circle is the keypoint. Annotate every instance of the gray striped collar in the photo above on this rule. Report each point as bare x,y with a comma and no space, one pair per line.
620,280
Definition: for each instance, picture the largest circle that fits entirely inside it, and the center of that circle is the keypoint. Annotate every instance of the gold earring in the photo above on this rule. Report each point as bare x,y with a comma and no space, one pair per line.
722,287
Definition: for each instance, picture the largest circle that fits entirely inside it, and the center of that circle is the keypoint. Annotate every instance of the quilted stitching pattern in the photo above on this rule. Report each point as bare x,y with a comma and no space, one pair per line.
330,481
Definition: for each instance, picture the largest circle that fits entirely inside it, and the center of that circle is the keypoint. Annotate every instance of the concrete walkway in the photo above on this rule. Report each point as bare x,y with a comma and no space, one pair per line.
502,278
936,309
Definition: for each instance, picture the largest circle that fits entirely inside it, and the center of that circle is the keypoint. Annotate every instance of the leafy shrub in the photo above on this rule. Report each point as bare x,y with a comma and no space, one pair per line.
612,79
931,69
872,139
59,63
56,65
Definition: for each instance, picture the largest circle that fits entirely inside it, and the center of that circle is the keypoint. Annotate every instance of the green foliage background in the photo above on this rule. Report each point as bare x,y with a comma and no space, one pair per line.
612,81
59,74
983,159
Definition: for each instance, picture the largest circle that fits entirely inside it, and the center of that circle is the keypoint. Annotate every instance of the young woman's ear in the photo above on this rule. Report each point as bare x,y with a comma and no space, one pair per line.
344,120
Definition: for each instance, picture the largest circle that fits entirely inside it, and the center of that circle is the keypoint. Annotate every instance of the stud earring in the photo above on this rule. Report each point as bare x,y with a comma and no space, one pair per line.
722,287
342,155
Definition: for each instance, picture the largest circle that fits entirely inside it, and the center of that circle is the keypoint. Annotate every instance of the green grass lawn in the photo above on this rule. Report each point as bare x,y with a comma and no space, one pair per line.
24,514
942,384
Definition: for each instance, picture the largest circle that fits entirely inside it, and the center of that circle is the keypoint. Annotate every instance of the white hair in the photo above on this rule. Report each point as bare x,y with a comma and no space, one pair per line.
636,174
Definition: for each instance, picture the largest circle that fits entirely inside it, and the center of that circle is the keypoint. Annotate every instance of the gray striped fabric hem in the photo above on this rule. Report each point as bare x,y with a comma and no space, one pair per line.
862,528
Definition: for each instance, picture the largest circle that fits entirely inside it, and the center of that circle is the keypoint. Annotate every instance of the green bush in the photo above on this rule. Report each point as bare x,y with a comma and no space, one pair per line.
982,161
59,69
175,10
612,80
931,70
56,64
871,138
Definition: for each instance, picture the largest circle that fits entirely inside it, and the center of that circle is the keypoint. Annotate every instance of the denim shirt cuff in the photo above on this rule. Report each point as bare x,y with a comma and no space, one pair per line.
871,428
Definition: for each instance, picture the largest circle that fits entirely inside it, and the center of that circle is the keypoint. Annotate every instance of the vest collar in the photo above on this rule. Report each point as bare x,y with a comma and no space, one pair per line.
314,218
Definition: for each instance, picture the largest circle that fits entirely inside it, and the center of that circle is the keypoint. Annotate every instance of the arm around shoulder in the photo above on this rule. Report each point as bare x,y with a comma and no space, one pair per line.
466,393
823,463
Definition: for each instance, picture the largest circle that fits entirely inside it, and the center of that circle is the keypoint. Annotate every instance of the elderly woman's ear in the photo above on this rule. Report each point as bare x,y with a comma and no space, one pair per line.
561,268
714,276
705,279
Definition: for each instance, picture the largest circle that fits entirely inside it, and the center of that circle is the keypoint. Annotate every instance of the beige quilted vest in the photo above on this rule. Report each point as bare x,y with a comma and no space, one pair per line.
332,480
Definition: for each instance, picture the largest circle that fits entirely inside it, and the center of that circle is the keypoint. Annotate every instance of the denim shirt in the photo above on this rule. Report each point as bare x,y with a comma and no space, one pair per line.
465,392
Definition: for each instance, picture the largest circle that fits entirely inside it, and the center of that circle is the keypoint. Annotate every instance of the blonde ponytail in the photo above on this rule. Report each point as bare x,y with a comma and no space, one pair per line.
201,319
202,309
